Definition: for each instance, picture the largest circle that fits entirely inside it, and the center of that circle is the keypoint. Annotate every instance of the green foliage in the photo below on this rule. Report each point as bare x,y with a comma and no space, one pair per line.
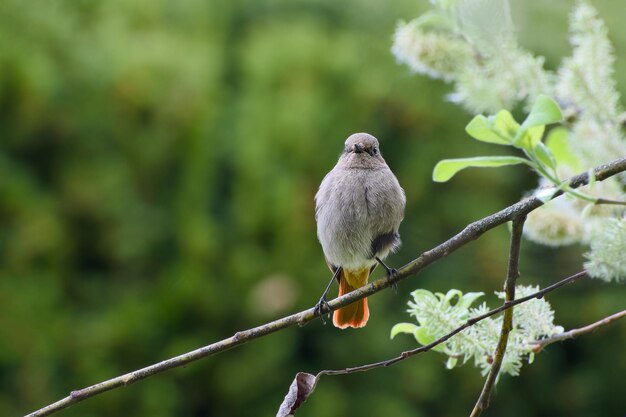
438,314
499,74
558,143
496,129
158,162
502,129
447,168
545,111
487,81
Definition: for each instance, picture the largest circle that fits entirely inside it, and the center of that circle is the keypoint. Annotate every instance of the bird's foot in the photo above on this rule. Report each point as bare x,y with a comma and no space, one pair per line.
321,307
391,274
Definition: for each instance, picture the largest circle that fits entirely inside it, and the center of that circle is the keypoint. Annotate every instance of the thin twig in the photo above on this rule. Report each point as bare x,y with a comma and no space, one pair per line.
607,201
570,334
407,354
507,323
471,232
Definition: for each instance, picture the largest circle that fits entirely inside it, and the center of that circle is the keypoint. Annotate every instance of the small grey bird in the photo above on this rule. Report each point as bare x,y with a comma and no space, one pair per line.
358,207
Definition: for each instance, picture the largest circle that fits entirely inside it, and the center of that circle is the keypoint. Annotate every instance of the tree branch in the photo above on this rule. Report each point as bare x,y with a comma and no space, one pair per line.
471,232
507,306
570,334
470,322
507,322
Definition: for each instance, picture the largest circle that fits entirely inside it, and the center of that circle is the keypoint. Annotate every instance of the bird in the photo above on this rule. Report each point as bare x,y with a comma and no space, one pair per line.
358,209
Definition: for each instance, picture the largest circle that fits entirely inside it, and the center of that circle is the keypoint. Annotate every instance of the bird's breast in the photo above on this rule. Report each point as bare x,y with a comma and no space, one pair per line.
352,209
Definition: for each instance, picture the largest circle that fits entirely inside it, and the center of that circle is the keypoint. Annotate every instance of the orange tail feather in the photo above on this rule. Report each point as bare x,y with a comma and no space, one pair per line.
356,314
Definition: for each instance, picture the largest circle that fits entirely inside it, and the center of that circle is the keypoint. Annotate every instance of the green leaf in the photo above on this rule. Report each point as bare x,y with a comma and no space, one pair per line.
544,155
468,299
535,134
505,125
422,294
499,129
544,112
557,142
449,297
480,129
409,328
529,138
447,168
424,338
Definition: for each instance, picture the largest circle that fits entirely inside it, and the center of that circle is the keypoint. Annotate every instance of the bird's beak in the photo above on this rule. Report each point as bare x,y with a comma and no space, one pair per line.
358,148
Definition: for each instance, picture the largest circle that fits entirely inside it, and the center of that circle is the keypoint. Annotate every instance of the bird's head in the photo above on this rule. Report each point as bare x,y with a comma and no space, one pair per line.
361,150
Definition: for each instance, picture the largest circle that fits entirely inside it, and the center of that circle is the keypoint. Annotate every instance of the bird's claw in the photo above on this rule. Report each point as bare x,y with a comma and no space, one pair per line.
321,307
391,273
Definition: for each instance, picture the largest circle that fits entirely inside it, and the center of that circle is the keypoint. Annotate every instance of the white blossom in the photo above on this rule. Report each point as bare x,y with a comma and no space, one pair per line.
438,314
607,259
585,80
434,54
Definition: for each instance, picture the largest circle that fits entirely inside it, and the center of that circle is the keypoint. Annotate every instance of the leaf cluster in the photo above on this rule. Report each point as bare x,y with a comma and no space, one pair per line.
438,314
502,129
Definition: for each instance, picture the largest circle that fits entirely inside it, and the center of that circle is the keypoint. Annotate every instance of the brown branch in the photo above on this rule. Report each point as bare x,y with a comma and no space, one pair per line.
507,323
470,322
471,232
570,334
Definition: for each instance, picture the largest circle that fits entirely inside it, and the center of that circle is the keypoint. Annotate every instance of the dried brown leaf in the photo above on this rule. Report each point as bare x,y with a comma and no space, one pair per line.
301,387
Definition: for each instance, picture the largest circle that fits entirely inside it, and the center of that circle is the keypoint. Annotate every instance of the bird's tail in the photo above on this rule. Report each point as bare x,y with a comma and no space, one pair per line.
356,314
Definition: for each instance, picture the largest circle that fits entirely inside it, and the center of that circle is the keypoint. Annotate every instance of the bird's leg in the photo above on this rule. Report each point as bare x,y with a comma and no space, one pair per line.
390,273
322,304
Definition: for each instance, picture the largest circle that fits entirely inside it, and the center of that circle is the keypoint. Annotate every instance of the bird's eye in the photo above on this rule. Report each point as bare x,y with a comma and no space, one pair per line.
375,150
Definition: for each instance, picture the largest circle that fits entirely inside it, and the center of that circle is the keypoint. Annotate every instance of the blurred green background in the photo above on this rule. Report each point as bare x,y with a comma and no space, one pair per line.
158,162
